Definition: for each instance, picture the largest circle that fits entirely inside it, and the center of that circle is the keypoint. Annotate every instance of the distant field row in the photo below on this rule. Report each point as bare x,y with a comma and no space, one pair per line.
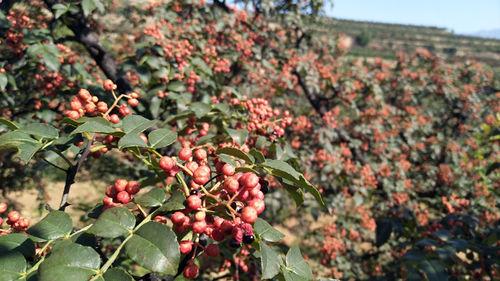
383,40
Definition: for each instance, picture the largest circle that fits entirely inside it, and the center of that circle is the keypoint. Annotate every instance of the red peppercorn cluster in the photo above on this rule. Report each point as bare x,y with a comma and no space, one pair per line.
14,220
121,192
263,117
85,104
208,187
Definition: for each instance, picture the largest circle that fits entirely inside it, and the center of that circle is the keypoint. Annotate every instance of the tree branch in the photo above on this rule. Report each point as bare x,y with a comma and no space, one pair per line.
5,5
90,40
318,103
71,174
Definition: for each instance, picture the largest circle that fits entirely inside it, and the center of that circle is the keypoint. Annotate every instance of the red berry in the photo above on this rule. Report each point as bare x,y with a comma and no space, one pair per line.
218,235
102,107
243,196
120,185
249,180
72,114
124,110
191,271
258,204
226,227
108,202
231,185
193,202
3,207
200,216
13,216
90,108
110,191
249,214
256,193
202,172
123,197
133,187
133,102
113,118
178,217
75,104
23,223
84,95
192,166
212,250
108,85
185,247
167,163
160,219
199,226
185,154
200,154
228,170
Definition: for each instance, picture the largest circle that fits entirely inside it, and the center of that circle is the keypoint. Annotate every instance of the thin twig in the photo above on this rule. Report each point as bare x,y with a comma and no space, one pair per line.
71,174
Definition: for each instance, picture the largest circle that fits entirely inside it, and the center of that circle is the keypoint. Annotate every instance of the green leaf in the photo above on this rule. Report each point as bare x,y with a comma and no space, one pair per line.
10,124
281,169
3,81
117,274
131,140
313,190
12,266
235,152
155,247
259,157
14,139
41,130
55,225
154,106
72,262
270,261
176,86
154,198
223,108
136,124
99,5
238,136
49,54
26,151
161,138
266,232
60,30
201,65
17,242
296,193
296,267
113,222
434,270
200,109
95,125
89,6
22,142
174,203
59,10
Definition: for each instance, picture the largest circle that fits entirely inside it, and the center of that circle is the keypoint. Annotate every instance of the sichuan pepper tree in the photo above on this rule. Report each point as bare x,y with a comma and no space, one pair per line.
390,144
203,202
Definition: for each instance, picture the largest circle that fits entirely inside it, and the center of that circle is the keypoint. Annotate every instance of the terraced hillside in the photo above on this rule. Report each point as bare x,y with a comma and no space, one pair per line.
381,39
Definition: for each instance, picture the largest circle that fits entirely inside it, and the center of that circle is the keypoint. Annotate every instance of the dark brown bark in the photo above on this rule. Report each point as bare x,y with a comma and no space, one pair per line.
90,40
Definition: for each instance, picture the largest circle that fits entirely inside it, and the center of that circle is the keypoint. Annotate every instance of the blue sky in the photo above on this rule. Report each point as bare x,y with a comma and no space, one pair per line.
461,16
